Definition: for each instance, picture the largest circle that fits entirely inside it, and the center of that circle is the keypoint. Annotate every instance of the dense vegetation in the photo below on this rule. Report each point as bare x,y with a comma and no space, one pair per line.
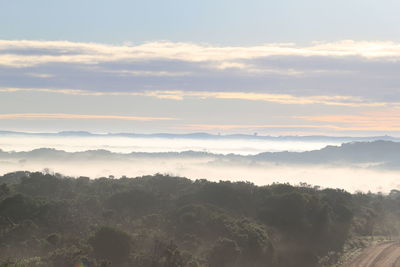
163,221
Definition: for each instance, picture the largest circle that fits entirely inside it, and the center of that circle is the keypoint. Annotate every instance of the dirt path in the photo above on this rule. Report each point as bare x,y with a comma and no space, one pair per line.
382,255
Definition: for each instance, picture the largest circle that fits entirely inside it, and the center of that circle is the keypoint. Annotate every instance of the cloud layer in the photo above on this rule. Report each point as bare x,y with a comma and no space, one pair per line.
346,69
301,88
79,117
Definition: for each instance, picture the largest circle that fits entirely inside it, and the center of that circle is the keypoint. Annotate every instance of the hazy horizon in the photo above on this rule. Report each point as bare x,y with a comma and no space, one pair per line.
363,170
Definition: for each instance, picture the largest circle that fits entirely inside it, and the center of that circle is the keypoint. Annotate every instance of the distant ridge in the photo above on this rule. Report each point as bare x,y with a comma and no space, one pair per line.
379,154
354,152
208,136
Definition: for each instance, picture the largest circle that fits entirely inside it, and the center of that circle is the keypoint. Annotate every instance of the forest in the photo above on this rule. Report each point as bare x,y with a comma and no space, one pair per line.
47,219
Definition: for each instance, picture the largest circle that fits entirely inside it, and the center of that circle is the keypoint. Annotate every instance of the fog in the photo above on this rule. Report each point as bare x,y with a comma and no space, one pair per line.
130,144
364,174
349,178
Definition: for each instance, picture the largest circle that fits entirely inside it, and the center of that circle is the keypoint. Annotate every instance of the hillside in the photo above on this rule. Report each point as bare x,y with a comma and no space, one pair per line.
165,221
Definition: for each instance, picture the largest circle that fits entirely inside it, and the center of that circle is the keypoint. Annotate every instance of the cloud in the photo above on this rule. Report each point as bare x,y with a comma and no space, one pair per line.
249,96
382,120
295,127
149,73
261,126
345,73
40,75
16,53
80,117
275,98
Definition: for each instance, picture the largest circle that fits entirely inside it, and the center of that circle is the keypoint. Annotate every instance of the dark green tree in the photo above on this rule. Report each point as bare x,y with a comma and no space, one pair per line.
111,244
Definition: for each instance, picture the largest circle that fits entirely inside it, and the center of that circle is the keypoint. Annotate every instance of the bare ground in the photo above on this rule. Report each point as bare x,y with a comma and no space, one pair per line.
381,255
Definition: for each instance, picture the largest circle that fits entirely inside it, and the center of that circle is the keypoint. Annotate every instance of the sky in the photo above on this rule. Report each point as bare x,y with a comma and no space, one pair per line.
268,67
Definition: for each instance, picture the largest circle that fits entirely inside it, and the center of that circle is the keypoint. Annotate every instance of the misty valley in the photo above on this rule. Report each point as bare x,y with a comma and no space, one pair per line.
354,164
312,208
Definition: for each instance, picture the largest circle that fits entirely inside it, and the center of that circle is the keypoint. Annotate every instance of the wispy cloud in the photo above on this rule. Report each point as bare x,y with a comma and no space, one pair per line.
207,127
181,95
91,53
356,72
348,77
383,120
295,127
40,75
274,98
80,117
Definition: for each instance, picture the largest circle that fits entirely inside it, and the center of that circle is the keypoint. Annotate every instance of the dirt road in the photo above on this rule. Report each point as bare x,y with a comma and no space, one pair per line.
382,255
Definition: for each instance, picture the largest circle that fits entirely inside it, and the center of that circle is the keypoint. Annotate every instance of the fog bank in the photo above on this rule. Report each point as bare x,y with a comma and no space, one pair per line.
349,178
122,144
356,166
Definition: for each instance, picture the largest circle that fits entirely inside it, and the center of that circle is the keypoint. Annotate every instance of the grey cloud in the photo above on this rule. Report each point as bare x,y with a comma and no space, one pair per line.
40,52
374,79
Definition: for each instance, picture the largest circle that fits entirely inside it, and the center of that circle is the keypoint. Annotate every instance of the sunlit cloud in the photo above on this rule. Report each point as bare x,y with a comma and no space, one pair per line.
383,120
40,75
148,73
370,126
338,73
332,78
80,116
254,126
275,98
92,53
248,96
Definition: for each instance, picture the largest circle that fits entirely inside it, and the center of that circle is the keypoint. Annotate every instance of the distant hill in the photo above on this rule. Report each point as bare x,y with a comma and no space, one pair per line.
311,138
380,154
355,152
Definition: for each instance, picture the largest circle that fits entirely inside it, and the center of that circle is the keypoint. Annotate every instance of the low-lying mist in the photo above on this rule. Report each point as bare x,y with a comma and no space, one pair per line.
349,178
355,166
120,144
